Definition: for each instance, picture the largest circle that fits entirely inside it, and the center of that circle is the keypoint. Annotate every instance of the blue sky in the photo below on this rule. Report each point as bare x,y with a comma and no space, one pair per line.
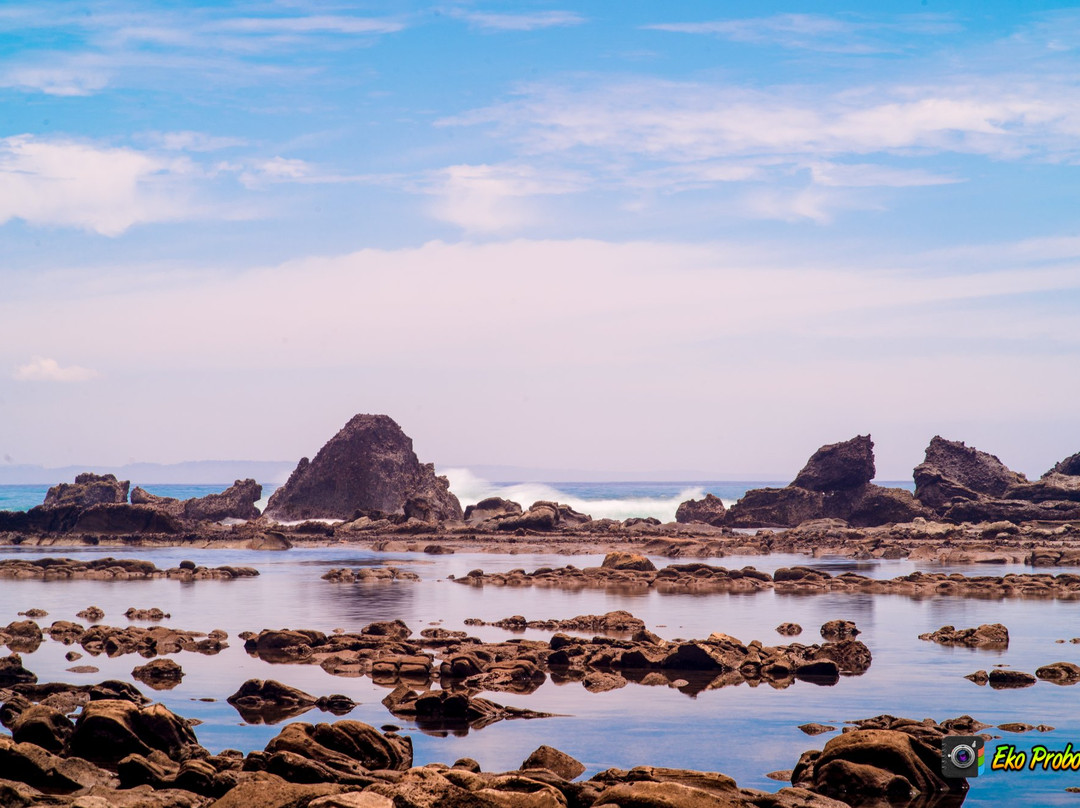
630,235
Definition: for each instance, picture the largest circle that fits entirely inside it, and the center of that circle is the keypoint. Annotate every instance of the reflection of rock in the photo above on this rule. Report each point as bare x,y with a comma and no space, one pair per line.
1060,673
270,702
988,635
12,671
441,710
88,489
368,466
160,674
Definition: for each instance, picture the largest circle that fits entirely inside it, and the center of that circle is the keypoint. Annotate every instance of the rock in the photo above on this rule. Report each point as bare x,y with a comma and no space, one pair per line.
146,614
543,516
1001,679
34,614
873,764
270,791
1060,673
839,630
491,508
88,489
269,702
952,470
44,726
1069,466
160,674
352,799
348,747
12,671
235,502
789,629
776,507
874,505
547,757
988,635
838,466
1016,726
1051,487
368,465
123,518
39,768
110,729
710,511
816,729
627,561
93,614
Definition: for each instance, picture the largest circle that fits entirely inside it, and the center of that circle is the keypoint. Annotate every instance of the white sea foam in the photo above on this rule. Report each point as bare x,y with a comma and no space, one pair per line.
470,489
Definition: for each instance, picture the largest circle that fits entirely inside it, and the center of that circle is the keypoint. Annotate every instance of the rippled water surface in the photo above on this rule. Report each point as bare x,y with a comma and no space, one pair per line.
743,731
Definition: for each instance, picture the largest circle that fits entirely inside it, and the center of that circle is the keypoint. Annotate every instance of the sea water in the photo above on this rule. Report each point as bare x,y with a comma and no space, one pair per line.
742,731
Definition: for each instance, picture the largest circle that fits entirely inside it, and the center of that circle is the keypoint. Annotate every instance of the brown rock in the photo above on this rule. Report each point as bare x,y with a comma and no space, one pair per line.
710,511
952,470
370,466
235,502
988,635
838,466
547,757
491,508
1060,673
88,489
627,561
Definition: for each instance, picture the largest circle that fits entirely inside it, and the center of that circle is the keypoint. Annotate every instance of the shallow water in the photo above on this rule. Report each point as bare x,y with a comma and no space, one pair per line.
743,731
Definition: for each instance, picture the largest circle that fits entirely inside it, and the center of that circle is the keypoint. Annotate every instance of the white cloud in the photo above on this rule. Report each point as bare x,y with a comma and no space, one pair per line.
523,22
192,141
41,369
492,198
73,184
73,80
864,175
315,24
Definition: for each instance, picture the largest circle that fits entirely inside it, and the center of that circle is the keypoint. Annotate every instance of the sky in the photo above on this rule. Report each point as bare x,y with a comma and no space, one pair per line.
677,238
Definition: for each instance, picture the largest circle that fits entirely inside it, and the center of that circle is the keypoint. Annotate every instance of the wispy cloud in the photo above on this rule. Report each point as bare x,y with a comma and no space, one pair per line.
42,369
522,22
819,32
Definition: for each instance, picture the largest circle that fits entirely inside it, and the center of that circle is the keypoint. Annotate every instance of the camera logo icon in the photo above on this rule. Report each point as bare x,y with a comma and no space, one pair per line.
962,756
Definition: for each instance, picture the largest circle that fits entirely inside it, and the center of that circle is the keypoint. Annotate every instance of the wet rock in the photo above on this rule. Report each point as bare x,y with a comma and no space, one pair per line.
616,622
368,465
270,791
39,768
34,614
710,511
1061,673
87,490
1016,726
268,701
110,729
542,516
562,764
369,575
160,674
789,629
816,729
839,466
988,635
873,764
92,614
443,710
351,748
839,630
12,671
627,561
1001,679
146,614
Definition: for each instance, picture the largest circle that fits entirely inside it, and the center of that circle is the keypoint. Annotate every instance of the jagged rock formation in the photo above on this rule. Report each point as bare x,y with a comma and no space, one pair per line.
235,502
709,510
953,471
88,489
834,484
368,466
1069,466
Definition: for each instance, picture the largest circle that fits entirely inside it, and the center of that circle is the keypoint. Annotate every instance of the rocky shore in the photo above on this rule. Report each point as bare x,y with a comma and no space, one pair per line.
122,750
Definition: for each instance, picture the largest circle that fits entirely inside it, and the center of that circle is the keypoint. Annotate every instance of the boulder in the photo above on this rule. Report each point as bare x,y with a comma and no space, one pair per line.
122,518
160,674
235,502
1051,487
541,516
867,766
838,466
1069,466
349,747
709,510
1060,673
988,635
839,630
12,671
491,508
627,561
1004,679
776,507
42,725
874,505
88,489
547,757
369,465
108,730
952,470
269,702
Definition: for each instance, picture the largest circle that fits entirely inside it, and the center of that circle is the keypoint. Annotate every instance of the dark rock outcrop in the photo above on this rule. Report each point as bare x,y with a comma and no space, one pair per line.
953,471
1070,466
368,466
776,507
491,508
122,518
988,635
1051,487
710,511
838,466
88,489
235,502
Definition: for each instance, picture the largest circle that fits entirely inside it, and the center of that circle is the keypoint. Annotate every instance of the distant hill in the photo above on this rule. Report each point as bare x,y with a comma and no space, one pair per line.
195,472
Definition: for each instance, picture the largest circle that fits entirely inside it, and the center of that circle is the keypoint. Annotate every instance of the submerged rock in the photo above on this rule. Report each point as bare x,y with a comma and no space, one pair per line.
368,466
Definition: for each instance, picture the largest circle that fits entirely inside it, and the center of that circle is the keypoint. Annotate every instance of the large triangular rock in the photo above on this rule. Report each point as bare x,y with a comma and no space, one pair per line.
368,466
